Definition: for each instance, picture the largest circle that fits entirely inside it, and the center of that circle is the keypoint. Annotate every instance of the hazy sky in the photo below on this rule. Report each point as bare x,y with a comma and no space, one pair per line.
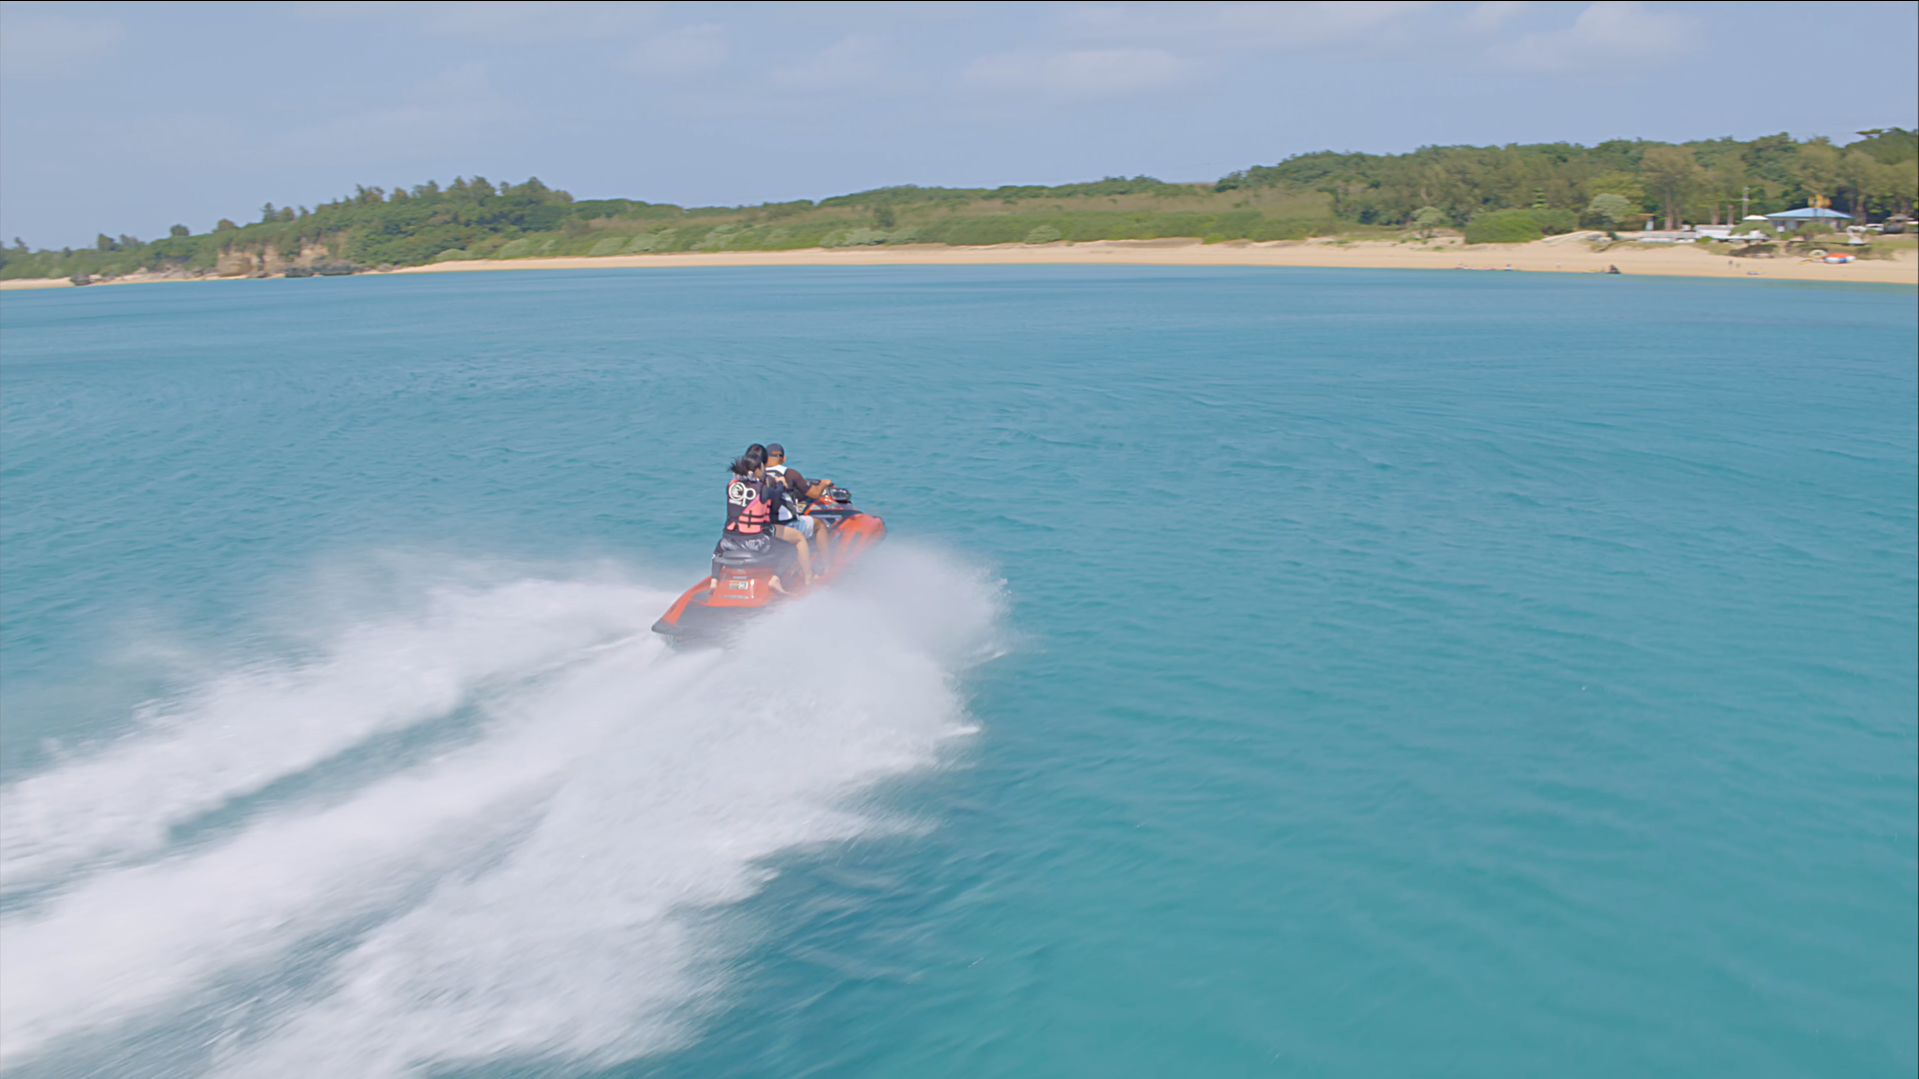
127,118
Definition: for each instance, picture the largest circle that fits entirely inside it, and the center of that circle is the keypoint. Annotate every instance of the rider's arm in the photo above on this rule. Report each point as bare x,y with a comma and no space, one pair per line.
810,489
802,487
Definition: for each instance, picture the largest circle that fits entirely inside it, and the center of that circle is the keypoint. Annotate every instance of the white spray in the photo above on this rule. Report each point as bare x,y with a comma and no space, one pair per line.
520,895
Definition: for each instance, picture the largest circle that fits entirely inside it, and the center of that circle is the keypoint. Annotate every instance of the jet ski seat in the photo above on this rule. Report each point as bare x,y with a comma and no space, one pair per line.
742,559
739,552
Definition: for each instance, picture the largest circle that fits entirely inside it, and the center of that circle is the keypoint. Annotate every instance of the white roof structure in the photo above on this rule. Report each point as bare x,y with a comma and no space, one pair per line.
1810,213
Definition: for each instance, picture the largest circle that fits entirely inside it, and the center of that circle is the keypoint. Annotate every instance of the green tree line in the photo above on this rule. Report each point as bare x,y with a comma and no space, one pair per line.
1711,181
1494,194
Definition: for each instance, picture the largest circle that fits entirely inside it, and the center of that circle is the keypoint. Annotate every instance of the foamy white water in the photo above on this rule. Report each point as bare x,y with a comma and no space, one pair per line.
523,894
245,729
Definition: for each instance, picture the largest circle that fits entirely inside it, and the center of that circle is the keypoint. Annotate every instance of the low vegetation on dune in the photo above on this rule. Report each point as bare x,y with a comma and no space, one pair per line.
1503,194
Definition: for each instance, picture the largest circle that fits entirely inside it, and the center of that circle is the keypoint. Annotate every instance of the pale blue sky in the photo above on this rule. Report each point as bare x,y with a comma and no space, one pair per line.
127,118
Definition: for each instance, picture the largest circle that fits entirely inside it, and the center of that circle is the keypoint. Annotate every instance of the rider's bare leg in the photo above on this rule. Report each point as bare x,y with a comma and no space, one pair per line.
821,533
793,536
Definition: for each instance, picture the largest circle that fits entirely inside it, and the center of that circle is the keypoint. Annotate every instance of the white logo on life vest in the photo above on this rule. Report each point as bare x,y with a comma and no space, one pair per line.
739,493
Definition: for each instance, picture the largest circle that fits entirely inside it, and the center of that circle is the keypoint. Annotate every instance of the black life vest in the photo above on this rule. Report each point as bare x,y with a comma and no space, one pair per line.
749,505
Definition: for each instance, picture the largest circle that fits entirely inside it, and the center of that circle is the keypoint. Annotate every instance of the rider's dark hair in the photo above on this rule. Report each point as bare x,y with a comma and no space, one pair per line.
754,457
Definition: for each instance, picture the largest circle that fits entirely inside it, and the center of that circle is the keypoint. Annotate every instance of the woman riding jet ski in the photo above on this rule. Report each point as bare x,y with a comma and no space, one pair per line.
753,568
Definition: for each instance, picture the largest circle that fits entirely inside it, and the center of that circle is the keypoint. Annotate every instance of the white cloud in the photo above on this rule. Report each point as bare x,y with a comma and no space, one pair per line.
187,136
1283,27
1088,73
852,60
1489,17
515,22
440,110
343,9
1608,33
399,127
51,45
1298,27
690,48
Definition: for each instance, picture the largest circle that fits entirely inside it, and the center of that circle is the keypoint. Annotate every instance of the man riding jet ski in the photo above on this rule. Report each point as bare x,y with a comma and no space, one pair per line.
795,493
751,568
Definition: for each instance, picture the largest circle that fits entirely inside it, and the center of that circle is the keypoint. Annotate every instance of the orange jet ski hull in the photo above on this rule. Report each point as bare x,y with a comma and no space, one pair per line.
721,603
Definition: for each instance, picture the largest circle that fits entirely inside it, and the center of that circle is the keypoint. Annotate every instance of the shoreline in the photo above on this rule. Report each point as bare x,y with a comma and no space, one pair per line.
1550,255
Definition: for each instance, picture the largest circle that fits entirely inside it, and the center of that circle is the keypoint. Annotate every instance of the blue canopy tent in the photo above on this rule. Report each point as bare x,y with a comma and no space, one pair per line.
1792,219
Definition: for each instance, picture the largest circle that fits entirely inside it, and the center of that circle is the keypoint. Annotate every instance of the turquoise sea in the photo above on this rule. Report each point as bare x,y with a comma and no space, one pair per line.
1270,673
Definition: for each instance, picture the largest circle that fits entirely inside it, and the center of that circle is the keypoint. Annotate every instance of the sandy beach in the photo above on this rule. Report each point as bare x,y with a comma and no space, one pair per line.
1564,254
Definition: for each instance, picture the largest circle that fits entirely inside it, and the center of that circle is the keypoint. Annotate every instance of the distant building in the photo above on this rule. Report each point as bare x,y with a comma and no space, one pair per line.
1726,233
1695,233
1793,219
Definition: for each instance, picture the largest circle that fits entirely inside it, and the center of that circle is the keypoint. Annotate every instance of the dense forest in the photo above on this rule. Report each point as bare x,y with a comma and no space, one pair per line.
1491,194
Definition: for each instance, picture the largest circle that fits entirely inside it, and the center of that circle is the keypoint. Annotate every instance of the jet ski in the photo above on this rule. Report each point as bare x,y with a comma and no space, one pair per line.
741,584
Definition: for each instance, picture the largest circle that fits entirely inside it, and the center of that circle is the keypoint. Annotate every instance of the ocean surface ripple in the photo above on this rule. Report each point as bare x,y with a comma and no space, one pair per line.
1272,672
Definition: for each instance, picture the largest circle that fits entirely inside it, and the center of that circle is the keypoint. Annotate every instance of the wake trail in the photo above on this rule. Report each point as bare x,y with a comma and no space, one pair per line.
245,730
523,896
